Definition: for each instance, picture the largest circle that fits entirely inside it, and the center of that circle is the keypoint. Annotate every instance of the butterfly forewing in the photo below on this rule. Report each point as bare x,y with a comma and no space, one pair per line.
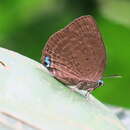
77,52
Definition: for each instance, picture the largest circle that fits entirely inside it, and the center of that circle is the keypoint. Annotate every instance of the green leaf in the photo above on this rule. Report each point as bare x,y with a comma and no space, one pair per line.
31,94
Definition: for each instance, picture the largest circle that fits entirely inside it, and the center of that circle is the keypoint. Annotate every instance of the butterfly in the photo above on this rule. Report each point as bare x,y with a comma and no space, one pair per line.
76,54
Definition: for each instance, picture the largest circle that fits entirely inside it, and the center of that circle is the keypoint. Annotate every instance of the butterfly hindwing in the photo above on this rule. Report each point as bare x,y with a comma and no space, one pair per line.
79,48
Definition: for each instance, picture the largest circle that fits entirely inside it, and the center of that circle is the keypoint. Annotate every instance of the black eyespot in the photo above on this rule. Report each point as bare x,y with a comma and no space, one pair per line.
88,69
87,59
47,61
45,64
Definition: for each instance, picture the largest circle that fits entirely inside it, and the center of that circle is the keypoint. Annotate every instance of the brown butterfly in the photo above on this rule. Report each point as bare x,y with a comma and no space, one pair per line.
76,55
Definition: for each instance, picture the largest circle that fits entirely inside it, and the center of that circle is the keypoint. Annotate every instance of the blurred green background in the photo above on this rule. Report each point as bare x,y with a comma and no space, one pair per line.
25,26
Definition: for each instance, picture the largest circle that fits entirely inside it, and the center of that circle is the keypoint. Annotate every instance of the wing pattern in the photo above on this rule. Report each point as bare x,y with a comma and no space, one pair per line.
77,52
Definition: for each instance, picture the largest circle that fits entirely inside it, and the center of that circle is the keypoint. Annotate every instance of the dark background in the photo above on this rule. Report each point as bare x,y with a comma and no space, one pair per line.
25,26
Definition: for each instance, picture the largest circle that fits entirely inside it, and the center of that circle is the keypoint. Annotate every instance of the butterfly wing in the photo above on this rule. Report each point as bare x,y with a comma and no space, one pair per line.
77,52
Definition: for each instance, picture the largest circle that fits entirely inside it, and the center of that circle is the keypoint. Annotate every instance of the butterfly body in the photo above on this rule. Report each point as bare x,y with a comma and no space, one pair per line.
76,54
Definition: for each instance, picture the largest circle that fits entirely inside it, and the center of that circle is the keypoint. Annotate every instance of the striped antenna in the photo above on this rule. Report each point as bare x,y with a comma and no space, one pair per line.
112,76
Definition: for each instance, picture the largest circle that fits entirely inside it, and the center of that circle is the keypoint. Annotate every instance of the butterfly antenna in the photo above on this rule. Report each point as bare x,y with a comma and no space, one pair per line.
112,76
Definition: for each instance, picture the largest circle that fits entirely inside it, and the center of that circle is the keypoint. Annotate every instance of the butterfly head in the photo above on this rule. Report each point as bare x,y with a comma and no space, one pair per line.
47,61
98,84
89,85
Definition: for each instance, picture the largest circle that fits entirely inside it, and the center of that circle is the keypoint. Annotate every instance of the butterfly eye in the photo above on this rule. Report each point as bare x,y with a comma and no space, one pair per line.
47,61
100,83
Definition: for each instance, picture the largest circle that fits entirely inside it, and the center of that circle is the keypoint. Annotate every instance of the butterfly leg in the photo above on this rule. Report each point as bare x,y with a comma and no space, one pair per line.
74,88
87,95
